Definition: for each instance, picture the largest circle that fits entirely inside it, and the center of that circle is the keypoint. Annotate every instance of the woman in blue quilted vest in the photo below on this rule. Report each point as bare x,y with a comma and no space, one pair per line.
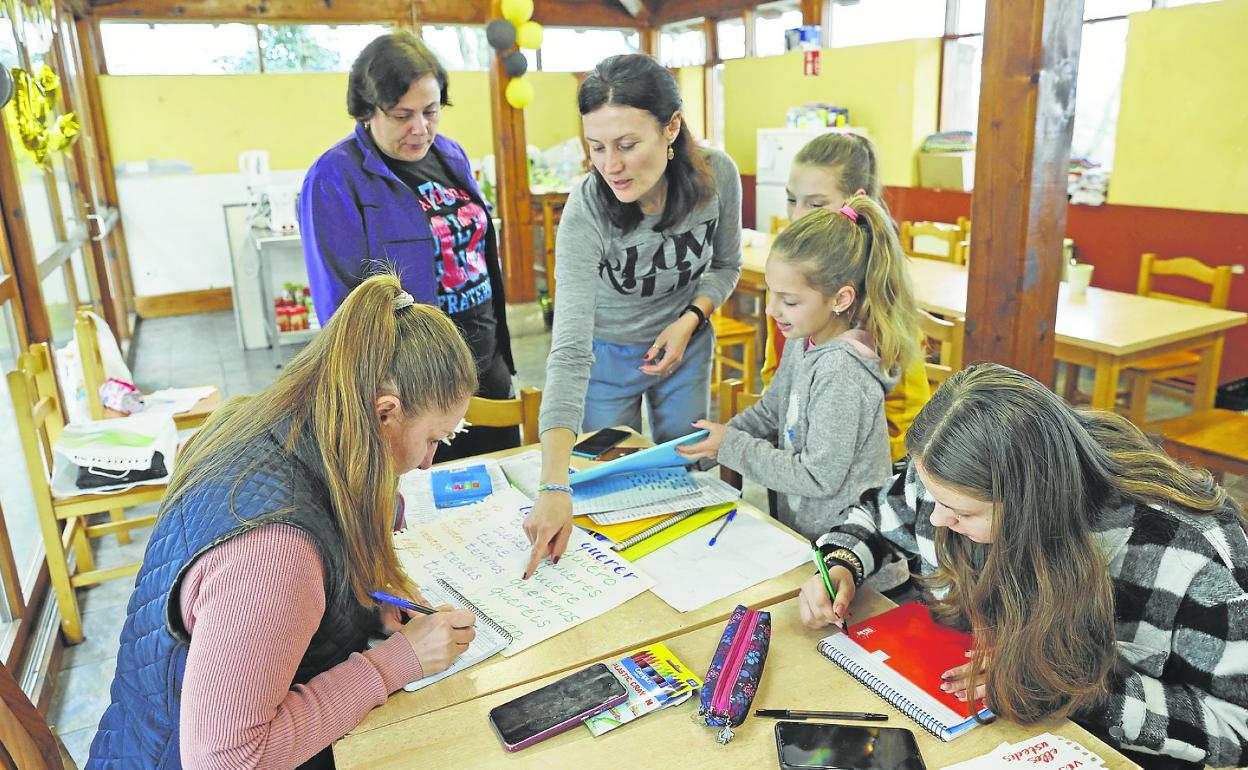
246,638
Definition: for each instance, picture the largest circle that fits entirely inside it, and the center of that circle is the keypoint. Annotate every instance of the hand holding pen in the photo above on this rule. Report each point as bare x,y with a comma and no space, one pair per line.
826,596
438,636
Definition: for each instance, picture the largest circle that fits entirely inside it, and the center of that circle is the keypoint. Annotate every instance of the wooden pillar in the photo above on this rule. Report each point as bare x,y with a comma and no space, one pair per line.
514,201
710,28
813,13
650,41
1026,115
747,18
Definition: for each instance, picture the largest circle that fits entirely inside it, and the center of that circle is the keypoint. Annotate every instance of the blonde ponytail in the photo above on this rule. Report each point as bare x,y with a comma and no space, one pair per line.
857,246
368,347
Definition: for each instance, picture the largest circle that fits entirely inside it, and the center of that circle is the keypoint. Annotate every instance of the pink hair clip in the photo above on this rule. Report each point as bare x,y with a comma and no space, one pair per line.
849,212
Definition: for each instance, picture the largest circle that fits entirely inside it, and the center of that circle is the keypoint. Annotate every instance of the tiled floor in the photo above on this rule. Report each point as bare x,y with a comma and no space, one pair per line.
204,349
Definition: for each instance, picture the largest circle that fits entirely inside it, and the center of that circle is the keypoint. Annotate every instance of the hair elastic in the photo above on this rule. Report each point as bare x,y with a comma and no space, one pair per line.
402,300
849,212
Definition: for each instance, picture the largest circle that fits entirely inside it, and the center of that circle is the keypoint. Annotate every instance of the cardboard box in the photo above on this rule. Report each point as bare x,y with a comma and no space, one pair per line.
947,170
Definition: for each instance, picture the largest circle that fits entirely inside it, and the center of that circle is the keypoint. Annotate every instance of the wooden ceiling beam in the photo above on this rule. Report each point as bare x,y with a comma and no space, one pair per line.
587,13
679,10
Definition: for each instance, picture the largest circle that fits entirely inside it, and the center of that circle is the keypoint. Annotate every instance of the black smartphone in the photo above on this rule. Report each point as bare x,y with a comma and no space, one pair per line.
599,443
556,707
823,746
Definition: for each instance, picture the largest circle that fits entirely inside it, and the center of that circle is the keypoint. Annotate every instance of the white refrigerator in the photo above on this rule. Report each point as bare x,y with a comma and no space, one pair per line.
776,149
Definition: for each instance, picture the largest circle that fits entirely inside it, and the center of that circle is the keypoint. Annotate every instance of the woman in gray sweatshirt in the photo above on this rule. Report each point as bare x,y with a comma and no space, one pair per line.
839,289
648,246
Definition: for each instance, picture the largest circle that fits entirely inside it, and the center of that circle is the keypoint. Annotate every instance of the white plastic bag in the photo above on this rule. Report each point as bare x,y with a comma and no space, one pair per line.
69,370
122,444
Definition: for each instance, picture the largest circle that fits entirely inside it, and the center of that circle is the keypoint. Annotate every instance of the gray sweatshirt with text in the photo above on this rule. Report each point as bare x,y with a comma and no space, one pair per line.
818,435
626,288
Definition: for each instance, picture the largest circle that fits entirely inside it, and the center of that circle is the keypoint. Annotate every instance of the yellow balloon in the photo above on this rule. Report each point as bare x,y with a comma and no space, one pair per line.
529,35
519,93
517,11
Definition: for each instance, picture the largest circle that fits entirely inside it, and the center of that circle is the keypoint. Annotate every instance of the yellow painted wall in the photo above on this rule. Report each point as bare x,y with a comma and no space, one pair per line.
891,89
208,120
553,116
692,82
1182,138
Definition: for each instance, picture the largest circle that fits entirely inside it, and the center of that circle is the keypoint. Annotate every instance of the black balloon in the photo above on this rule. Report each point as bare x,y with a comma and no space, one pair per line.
501,34
515,64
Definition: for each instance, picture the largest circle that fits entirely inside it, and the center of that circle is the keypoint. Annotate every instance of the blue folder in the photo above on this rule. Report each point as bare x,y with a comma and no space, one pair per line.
661,456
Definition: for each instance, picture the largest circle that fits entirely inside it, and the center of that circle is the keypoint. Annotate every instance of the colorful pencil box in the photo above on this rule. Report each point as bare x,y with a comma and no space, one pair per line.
732,680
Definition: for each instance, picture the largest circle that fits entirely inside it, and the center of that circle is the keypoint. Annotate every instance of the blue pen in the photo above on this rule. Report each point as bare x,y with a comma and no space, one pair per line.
404,603
731,515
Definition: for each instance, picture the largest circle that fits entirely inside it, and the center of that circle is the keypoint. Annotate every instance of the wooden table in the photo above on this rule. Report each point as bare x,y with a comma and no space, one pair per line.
1106,330
796,676
639,621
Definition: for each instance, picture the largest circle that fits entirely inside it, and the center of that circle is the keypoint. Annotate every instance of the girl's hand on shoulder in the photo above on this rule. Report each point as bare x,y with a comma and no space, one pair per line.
817,608
669,347
393,617
957,679
708,447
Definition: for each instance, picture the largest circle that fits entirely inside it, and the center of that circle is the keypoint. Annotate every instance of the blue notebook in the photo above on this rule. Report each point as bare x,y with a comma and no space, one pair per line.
661,456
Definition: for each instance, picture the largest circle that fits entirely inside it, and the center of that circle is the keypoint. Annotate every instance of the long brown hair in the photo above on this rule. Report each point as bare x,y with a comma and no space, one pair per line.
329,389
1039,598
638,80
832,250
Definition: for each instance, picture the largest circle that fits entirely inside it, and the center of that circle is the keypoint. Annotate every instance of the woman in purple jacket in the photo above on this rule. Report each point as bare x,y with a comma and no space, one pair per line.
396,194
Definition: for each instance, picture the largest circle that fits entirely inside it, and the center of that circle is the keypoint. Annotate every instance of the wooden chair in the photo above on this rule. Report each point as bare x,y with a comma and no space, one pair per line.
37,413
1163,369
943,231
734,397
552,211
778,224
506,412
26,739
964,224
1216,439
93,377
729,333
947,336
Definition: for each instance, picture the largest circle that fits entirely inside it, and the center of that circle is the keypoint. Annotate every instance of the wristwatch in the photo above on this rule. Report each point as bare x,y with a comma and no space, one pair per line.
702,319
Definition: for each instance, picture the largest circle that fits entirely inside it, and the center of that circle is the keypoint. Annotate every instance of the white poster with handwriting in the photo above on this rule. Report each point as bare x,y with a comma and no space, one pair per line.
483,554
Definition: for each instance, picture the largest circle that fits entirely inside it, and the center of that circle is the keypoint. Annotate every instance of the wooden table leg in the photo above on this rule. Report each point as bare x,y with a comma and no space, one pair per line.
1105,391
750,364
1207,375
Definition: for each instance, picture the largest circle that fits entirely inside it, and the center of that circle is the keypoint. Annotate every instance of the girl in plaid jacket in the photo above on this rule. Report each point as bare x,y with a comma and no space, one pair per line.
1102,580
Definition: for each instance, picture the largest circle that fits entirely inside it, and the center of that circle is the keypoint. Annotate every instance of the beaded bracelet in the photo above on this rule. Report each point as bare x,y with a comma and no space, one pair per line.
847,559
554,488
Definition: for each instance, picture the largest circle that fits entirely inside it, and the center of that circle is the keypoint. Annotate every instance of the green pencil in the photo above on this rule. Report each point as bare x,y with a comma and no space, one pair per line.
827,582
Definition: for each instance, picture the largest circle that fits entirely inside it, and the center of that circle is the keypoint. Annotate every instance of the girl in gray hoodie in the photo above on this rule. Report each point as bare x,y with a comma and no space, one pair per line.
840,292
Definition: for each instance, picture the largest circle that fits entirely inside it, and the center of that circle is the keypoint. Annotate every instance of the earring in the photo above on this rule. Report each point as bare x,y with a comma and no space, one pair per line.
670,152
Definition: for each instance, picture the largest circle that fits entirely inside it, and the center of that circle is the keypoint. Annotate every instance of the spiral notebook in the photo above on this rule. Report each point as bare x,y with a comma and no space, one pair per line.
491,637
900,654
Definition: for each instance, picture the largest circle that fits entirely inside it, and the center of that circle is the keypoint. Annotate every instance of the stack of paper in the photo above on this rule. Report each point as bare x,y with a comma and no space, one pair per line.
1043,751
706,489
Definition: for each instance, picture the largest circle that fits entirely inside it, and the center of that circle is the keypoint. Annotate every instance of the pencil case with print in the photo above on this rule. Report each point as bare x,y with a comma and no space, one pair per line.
732,680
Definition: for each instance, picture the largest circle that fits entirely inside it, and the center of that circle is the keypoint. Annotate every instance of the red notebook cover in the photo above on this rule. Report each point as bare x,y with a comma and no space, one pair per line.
918,648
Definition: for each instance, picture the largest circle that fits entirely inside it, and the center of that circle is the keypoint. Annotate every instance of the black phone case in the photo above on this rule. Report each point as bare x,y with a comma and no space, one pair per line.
853,749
